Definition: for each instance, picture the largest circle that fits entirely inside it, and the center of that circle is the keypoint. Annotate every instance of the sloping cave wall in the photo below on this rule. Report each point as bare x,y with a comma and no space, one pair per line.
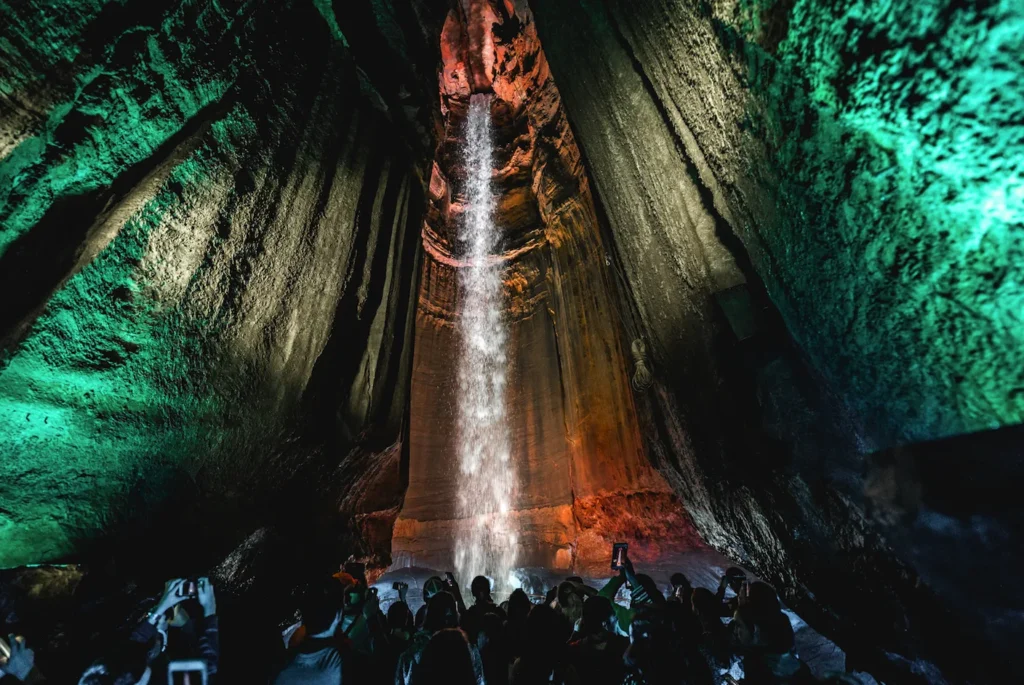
858,166
210,217
209,223
584,481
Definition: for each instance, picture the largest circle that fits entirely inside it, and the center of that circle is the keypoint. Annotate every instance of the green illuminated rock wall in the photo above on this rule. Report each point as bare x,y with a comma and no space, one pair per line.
856,170
207,215
868,154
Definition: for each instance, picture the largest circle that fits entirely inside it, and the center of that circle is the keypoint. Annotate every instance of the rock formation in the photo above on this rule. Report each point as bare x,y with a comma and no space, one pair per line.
825,155
228,261
192,200
585,481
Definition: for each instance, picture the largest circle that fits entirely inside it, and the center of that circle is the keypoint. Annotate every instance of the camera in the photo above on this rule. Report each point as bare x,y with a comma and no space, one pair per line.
190,588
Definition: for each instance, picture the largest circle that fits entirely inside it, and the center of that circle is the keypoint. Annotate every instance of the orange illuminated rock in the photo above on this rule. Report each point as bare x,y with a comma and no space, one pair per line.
584,481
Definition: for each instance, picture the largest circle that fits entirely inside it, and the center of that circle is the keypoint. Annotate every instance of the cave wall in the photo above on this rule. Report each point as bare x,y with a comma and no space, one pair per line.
817,211
584,481
209,218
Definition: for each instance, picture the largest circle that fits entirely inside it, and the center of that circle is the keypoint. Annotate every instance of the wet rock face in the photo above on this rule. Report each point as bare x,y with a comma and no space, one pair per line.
583,479
816,240
209,219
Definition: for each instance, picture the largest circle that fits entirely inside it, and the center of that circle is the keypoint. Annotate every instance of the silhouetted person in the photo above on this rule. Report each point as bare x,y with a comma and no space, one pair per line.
763,636
447,658
431,587
492,643
734,579
441,613
317,661
483,604
597,654
396,640
519,606
570,602
713,642
652,657
681,589
545,653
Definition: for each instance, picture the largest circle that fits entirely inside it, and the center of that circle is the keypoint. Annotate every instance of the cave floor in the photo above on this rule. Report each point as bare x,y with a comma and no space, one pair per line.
703,568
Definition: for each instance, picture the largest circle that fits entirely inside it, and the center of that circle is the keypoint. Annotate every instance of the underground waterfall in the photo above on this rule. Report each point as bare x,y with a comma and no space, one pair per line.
485,540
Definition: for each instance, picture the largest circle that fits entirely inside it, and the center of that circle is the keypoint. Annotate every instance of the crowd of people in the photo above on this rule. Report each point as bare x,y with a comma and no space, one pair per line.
577,634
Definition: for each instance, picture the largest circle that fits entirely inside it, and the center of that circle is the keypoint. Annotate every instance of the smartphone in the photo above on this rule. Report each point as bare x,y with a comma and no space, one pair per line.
373,591
619,550
400,586
187,672
190,588
449,578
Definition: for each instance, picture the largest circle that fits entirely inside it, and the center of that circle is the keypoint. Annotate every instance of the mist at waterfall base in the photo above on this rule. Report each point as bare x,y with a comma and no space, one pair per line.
485,540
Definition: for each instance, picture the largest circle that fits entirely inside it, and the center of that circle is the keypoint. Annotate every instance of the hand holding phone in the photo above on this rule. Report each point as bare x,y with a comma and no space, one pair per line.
16,658
175,592
619,550
449,578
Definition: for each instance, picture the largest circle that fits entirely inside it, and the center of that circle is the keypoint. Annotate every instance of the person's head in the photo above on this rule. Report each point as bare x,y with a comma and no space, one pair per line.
706,607
546,630
519,605
446,659
578,580
598,615
355,595
761,598
481,589
400,618
681,588
551,596
441,613
569,601
491,633
433,586
128,665
734,578
321,607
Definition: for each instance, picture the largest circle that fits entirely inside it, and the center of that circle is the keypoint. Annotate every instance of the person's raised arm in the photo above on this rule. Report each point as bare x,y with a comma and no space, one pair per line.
720,595
611,588
456,592
146,630
209,641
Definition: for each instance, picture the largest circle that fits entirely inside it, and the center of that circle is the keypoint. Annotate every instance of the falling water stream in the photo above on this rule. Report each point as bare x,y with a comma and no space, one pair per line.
485,542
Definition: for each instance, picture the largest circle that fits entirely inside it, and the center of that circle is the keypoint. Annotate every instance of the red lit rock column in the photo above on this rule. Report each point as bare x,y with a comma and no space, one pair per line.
584,480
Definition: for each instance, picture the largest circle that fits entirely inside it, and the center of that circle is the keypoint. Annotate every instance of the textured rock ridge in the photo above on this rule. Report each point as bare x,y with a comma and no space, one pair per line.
585,481
832,155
